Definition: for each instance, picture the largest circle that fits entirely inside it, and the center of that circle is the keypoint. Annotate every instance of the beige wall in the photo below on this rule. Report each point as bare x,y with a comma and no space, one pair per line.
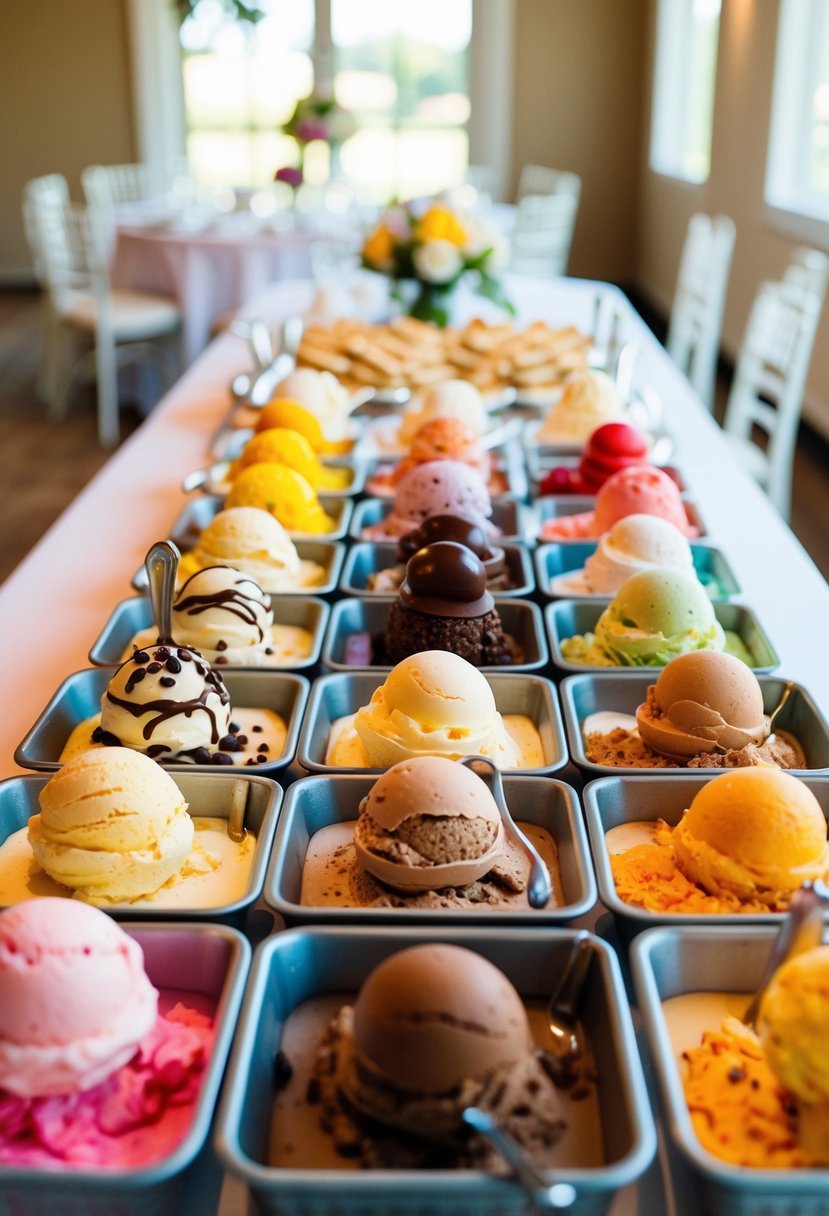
742,106
579,82
64,101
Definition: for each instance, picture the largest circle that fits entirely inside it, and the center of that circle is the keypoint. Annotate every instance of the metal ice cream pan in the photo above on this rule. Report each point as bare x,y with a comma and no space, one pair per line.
565,618
642,416
338,695
520,619
589,694
365,558
557,558
316,802
133,615
611,801
208,963
79,697
559,506
669,962
208,796
540,466
507,459
295,966
215,479
512,518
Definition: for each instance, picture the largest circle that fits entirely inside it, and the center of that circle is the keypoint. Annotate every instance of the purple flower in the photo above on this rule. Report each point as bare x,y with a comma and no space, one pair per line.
308,130
289,175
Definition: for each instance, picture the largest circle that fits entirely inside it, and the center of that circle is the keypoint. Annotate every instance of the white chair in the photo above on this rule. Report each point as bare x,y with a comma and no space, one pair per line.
769,381
808,268
538,179
120,324
695,325
116,193
543,234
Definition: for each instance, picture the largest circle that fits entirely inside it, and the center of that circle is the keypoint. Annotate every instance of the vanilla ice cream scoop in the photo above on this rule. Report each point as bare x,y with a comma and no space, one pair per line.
757,833
225,615
457,399
167,701
703,701
428,823
792,1022
113,826
252,542
74,998
633,544
322,394
588,400
434,703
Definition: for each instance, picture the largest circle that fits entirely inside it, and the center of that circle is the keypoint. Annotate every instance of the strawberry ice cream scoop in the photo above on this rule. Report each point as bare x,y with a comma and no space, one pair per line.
639,490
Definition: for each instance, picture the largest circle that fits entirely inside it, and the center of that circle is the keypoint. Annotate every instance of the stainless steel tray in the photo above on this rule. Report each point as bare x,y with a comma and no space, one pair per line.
79,697
206,796
365,558
211,960
614,800
556,558
565,618
539,464
214,479
520,619
294,966
316,802
669,962
588,694
507,459
559,506
131,616
338,695
513,518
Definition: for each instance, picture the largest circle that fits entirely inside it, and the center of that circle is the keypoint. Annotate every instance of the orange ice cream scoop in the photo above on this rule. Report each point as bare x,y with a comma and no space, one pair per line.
289,447
286,413
757,833
283,492
444,439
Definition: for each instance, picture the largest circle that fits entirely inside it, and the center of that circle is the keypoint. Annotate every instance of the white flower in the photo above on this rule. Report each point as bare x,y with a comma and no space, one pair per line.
479,236
437,261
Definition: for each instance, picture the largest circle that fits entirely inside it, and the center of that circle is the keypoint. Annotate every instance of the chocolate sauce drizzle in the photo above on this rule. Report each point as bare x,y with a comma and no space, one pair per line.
233,601
169,659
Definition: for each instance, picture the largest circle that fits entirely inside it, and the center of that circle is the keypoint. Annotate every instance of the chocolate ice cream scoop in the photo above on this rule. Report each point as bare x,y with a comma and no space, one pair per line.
447,580
455,528
702,701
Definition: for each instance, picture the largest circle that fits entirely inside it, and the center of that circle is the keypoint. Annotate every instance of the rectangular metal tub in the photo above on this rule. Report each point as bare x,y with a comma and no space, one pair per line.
565,618
540,465
316,802
79,697
366,557
558,506
555,559
507,458
614,800
589,694
520,618
131,616
338,695
206,795
216,481
294,966
513,518
671,961
211,960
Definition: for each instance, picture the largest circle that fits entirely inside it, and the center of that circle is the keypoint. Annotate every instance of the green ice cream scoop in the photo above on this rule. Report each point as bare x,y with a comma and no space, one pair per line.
654,616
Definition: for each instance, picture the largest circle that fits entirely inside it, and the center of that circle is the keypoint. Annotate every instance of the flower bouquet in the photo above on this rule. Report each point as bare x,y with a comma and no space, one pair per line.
434,248
316,117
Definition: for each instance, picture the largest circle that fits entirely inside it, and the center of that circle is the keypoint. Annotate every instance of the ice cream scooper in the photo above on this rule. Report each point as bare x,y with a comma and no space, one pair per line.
539,888
801,930
543,1195
161,564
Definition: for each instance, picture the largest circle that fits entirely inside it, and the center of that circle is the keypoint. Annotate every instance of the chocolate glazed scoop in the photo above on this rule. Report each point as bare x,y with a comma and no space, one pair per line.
161,564
457,528
446,579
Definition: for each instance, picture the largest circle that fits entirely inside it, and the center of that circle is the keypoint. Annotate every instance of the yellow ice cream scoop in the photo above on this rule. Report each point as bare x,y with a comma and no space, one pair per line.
282,491
285,413
755,833
289,447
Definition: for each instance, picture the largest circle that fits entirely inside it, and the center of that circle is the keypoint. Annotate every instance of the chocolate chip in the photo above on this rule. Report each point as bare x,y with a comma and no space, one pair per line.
242,740
222,758
140,656
185,656
153,668
162,653
173,665
229,743
263,747
220,645
260,759
234,728
200,755
167,682
257,730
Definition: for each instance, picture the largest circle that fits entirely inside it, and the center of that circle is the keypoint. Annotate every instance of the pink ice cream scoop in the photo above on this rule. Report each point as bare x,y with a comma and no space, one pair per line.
438,487
638,490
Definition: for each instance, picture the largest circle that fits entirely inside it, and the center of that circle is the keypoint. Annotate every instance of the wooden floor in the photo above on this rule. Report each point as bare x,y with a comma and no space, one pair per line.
44,465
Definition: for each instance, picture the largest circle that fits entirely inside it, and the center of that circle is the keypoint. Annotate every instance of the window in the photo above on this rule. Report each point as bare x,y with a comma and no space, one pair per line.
797,173
687,35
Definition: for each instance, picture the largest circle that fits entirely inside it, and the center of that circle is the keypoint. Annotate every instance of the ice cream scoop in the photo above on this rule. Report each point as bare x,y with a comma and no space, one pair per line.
756,833
792,1025
275,487
438,487
588,399
443,439
612,447
254,543
285,413
633,544
434,703
284,446
74,998
655,616
167,701
703,701
225,615
113,826
456,399
638,490
323,395
428,823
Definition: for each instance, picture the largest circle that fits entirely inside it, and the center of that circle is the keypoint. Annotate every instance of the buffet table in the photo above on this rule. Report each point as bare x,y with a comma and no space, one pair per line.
54,605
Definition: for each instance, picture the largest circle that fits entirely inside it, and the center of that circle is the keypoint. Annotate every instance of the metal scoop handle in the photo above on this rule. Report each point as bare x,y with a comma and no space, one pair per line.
801,930
543,1195
161,564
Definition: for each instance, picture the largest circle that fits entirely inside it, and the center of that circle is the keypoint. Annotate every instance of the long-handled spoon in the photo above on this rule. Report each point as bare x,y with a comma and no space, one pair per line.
801,930
542,1194
161,564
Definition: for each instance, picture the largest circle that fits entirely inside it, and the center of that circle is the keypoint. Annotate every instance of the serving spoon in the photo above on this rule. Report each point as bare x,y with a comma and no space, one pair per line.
542,1194
161,564
801,930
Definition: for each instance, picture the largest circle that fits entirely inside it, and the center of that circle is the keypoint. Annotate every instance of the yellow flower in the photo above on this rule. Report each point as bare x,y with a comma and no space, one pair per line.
379,246
440,224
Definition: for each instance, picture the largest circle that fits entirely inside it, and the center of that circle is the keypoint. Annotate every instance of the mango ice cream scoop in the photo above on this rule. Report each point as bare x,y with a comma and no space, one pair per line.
282,491
289,447
285,413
